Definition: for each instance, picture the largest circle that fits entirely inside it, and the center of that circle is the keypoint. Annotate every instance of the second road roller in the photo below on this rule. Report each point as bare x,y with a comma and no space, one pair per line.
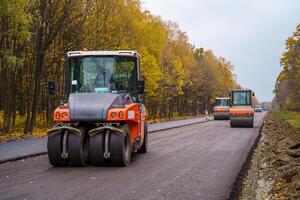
241,108
221,108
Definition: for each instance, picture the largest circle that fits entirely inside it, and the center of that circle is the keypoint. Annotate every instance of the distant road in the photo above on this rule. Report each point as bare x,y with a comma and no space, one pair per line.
199,161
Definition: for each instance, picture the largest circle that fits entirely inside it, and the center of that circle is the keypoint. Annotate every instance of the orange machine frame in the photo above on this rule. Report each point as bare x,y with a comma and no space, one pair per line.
129,114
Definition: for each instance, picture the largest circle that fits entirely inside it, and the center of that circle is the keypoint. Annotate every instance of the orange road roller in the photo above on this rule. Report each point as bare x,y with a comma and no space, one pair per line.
103,120
221,108
241,108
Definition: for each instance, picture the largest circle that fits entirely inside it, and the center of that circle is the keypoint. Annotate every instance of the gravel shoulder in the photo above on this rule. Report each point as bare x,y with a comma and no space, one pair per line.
274,171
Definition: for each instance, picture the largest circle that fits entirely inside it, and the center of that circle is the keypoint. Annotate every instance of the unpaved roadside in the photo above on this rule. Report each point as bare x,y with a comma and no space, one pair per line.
274,171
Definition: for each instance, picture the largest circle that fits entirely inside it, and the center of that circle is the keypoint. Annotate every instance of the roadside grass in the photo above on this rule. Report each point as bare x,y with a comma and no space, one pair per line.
293,118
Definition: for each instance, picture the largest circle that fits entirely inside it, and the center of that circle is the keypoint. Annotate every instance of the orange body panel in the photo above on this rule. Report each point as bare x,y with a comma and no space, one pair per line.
221,110
59,114
134,118
130,114
241,110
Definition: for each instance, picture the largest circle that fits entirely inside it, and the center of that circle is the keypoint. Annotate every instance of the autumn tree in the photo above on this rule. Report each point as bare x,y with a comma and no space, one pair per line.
181,80
14,25
288,82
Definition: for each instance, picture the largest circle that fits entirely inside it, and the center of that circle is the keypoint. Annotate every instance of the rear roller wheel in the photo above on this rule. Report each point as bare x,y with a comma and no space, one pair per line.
79,148
120,148
97,149
144,147
251,124
55,149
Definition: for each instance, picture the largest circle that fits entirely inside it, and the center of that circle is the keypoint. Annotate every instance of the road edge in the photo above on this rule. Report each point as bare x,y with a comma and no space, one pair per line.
238,183
164,129
21,157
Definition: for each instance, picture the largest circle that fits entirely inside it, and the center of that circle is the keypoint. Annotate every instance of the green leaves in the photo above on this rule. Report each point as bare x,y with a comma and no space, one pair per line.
15,20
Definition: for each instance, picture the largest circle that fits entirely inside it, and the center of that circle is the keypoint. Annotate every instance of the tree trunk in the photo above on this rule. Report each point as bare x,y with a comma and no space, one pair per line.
39,62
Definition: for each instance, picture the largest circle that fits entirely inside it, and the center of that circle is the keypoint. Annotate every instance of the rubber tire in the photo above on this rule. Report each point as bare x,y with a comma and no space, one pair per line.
144,147
97,150
78,148
54,148
117,148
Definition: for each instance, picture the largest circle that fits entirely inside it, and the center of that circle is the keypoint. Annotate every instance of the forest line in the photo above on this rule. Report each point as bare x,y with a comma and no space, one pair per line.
181,80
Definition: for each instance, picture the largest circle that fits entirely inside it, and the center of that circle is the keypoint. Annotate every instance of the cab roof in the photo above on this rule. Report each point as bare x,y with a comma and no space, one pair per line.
241,90
103,53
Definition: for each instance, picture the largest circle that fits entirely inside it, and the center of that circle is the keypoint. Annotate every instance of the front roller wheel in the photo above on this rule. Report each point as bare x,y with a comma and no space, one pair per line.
242,122
78,147
97,149
120,148
55,149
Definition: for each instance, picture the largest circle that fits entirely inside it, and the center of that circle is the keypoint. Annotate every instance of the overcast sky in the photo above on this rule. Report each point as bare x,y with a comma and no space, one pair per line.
249,33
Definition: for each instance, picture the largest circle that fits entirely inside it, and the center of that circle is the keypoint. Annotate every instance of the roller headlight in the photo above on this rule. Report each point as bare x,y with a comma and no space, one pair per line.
121,114
64,115
57,115
113,115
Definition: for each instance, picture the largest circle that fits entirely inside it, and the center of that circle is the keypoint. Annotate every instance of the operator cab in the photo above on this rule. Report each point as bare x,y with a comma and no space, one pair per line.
103,72
222,101
241,98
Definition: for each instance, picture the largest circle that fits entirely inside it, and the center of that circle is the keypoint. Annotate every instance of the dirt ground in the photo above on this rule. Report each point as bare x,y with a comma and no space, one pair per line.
274,171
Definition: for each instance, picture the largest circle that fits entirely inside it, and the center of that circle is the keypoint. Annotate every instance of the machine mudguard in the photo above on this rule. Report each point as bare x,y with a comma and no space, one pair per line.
61,129
102,129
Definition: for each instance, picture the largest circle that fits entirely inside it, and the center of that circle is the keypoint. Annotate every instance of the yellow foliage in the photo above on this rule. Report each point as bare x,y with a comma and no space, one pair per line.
180,80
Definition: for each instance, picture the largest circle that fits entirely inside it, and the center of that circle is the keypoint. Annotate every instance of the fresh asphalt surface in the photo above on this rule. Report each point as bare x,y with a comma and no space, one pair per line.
19,149
199,161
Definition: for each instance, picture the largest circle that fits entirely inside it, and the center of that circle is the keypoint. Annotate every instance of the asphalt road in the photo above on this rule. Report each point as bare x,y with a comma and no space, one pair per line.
15,150
199,161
